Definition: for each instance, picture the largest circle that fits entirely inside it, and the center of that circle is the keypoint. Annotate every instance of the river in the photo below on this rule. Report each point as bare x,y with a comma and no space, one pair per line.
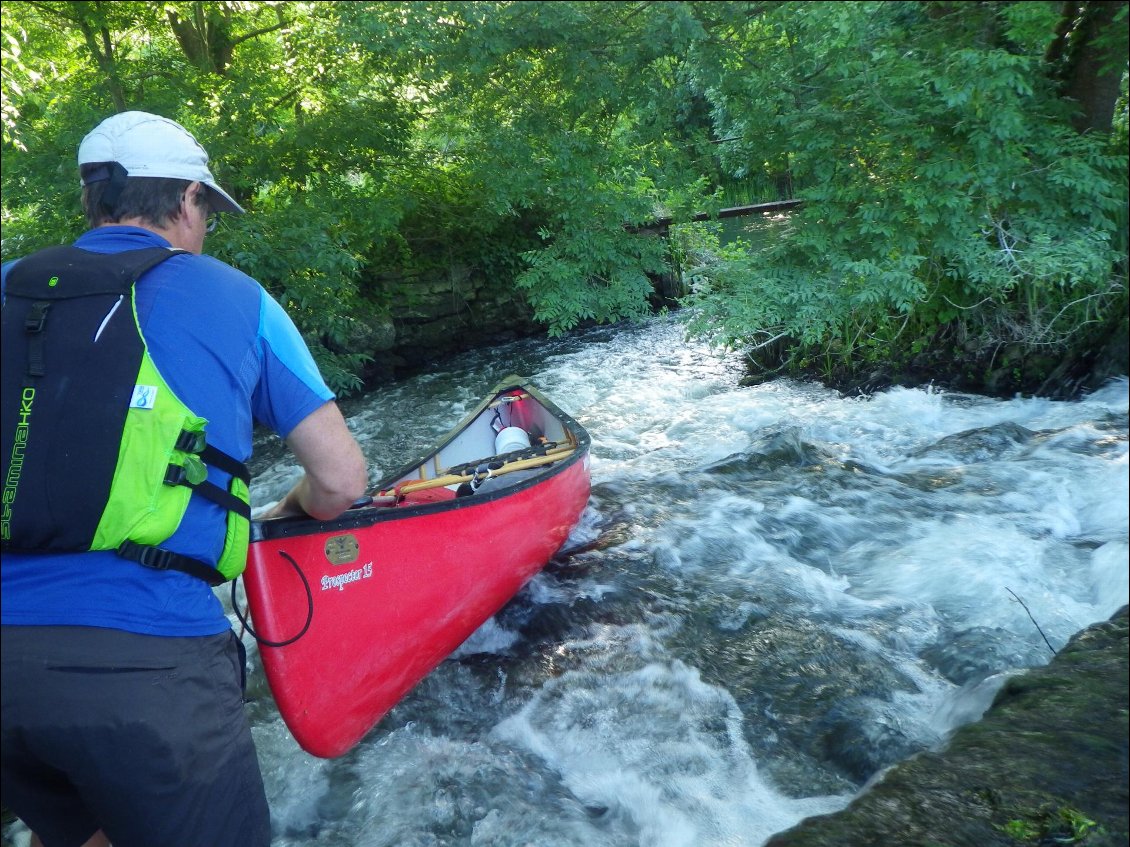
774,593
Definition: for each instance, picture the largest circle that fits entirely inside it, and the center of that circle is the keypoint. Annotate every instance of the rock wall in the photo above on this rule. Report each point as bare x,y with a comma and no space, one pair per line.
443,314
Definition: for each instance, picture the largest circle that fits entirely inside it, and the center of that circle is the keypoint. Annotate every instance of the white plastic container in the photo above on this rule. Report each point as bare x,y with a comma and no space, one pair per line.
510,439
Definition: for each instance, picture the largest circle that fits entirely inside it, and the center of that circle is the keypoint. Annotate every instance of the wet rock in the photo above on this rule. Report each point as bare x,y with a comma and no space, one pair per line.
977,653
980,445
1047,764
809,695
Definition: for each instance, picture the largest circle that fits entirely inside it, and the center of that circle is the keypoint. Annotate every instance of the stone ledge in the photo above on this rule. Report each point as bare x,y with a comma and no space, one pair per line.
1050,755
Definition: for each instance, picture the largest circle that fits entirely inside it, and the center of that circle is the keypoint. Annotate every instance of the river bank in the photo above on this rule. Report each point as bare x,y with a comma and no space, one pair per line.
1047,764
1003,371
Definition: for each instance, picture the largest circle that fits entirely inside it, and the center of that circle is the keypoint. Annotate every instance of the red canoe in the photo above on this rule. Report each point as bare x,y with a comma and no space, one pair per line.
361,608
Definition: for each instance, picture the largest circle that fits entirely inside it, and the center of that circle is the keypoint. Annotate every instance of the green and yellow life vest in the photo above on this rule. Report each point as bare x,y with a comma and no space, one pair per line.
99,452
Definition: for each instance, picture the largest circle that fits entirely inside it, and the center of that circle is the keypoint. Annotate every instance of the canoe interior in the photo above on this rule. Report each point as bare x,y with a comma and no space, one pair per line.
474,439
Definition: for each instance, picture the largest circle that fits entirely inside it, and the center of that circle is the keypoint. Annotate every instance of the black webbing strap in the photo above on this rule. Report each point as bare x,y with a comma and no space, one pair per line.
33,325
166,560
219,459
176,475
194,442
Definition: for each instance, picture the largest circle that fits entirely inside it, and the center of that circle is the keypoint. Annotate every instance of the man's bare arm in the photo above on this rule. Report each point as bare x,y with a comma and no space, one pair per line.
336,473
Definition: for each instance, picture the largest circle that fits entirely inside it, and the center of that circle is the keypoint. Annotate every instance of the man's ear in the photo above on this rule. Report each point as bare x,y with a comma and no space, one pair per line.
187,198
194,191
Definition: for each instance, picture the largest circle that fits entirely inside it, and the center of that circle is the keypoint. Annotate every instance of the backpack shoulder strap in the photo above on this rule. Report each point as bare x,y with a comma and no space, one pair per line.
59,273
66,273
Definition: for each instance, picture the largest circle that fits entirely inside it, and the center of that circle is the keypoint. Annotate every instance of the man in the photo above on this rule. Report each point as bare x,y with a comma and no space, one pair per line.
122,705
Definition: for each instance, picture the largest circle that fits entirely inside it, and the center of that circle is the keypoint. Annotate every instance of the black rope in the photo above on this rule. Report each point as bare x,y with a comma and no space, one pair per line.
309,609
1025,605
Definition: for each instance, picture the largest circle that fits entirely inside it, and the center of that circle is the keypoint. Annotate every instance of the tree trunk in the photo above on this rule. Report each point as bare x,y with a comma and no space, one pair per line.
206,39
101,47
1089,58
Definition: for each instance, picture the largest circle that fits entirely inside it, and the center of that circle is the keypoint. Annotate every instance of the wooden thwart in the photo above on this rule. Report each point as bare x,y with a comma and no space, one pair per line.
553,455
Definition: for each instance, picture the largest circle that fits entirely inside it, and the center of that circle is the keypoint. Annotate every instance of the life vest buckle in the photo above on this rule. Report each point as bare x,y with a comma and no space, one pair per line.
191,442
37,316
175,475
150,557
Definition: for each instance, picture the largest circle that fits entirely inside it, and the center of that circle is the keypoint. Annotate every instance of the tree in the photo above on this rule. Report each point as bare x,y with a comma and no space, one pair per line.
948,198
963,179
256,82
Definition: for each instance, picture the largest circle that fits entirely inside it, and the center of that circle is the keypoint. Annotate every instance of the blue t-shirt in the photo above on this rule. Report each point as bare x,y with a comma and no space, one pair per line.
231,353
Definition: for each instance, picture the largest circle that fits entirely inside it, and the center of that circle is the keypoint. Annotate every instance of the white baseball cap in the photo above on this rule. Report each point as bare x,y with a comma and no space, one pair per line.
151,146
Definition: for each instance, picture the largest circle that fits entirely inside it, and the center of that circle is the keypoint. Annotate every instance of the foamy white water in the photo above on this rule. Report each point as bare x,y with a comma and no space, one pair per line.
774,593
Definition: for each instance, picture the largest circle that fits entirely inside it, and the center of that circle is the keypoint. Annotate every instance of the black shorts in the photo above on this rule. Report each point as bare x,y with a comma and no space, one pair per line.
140,736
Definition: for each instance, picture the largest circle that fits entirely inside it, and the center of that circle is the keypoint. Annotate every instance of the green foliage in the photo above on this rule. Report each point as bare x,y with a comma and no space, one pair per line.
376,144
537,108
1047,826
941,181
613,262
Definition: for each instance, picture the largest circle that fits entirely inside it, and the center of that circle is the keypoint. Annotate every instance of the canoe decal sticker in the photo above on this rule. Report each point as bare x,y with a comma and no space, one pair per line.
339,581
342,549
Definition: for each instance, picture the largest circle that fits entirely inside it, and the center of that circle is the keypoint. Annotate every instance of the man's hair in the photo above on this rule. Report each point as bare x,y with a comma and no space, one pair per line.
155,200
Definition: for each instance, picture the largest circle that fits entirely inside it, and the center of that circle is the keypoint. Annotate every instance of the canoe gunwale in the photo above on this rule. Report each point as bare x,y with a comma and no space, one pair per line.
365,516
